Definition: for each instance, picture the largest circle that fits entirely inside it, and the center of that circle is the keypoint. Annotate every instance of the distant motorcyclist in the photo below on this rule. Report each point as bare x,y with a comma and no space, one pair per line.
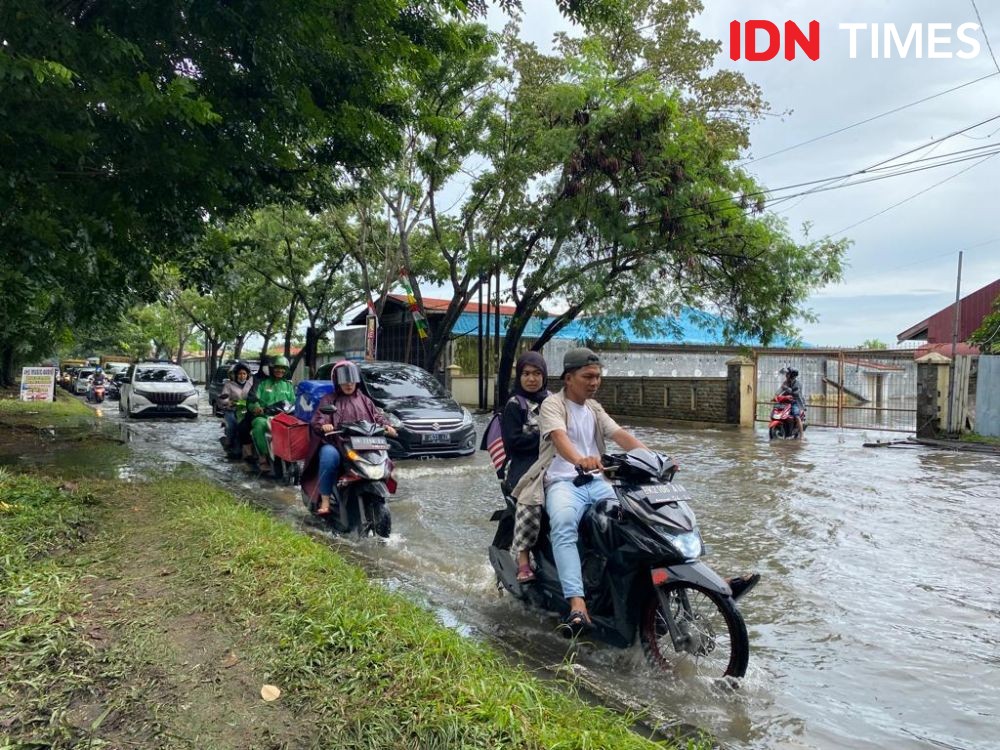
237,388
96,379
790,387
273,389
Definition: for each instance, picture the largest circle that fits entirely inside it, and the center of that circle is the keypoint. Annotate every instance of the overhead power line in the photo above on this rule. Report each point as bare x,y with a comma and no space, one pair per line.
915,195
985,36
870,119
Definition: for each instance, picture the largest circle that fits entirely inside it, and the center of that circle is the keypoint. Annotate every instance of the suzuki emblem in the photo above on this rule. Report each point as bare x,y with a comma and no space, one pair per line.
436,427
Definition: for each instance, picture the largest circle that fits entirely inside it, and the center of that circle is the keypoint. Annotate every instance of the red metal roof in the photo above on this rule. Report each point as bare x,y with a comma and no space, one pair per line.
441,305
937,329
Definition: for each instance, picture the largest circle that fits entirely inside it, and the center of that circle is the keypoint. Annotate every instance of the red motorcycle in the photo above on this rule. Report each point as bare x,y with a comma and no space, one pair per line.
782,424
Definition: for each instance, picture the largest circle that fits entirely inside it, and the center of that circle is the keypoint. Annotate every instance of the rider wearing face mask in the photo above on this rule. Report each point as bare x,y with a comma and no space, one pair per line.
237,388
322,468
271,390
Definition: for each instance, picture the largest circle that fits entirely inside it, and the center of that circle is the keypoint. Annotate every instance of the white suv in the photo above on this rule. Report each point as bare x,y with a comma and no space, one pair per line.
160,388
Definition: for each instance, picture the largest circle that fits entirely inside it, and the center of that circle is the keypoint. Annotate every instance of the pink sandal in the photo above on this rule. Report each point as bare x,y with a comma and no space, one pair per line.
525,574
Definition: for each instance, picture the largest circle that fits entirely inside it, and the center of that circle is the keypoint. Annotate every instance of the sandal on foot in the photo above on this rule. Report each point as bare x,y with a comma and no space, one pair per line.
322,511
525,574
577,620
742,585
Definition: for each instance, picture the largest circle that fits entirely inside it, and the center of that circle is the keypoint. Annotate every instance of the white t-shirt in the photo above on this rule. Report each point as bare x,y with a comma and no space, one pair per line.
582,430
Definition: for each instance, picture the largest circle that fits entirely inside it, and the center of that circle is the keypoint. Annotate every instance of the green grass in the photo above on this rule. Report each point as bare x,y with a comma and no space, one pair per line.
366,667
971,437
377,671
66,412
40,647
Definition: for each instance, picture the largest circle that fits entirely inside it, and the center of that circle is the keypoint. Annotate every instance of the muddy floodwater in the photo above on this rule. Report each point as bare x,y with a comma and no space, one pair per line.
876,625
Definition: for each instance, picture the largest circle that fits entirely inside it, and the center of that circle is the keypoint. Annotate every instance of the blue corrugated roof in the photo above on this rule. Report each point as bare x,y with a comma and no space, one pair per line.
691,327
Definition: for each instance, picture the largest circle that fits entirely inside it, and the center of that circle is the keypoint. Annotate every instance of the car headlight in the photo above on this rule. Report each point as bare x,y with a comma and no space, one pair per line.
142,394
688,544
395,421
190,394
466,417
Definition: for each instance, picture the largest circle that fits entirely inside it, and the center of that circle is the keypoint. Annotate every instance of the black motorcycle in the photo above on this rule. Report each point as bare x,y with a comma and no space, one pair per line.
641,572
361,493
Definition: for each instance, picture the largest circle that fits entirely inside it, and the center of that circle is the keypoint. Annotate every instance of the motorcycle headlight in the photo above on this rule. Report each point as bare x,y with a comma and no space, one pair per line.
688,544
466,417
373,471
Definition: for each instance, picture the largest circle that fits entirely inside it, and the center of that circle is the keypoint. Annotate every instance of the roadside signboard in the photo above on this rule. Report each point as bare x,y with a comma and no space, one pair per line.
38,383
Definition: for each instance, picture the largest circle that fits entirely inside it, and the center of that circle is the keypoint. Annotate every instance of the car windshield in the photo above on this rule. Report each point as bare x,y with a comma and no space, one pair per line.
85,373
401,382
160,375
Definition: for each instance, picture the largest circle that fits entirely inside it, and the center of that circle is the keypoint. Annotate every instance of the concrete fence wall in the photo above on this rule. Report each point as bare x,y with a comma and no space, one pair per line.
680,399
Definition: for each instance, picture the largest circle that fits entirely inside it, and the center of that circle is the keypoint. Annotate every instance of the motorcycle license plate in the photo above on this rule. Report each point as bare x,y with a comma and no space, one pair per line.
671,492
436,438
369,444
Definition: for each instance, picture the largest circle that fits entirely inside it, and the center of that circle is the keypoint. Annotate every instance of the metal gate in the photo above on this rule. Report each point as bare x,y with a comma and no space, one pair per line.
861,389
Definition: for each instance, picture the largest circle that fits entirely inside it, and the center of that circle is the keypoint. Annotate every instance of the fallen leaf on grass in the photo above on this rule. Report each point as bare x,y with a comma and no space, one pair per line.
270,693
231,661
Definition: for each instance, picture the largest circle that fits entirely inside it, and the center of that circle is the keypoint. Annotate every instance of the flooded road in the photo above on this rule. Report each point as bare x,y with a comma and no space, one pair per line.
876,625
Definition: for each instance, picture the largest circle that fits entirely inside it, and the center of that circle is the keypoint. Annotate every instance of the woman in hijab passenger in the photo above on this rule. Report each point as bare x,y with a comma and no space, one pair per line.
519,427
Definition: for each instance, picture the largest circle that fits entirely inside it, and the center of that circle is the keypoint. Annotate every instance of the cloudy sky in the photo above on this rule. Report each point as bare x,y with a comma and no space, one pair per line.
903,265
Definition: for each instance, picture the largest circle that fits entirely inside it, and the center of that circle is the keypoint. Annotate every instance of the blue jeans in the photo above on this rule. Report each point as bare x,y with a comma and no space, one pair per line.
796,410
566,503
329,463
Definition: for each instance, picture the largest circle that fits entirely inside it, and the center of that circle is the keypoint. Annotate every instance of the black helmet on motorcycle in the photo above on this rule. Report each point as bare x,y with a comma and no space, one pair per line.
345,372
792,373
234,373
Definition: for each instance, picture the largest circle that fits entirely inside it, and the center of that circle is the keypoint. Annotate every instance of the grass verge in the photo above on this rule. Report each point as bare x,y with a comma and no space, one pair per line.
129,636
972,437
67,412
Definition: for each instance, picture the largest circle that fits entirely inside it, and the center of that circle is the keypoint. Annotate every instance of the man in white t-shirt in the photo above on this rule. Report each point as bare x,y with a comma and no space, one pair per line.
578,427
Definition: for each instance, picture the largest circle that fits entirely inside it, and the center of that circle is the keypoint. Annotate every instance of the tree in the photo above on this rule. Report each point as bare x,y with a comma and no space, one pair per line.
305,257
987,336
625,204
124,127
874,344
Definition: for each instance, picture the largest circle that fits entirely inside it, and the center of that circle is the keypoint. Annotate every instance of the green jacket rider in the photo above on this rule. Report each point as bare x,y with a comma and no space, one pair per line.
271,390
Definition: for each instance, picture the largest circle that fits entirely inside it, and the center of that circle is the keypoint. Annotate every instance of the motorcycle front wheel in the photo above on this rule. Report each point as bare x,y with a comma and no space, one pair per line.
380,519
712,637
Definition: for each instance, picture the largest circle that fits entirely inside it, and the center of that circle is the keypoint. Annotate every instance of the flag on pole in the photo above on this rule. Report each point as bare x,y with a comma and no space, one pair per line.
418,318
371,334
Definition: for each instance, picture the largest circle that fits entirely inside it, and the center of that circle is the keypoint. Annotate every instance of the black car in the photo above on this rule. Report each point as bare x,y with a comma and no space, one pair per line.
429,421
214,388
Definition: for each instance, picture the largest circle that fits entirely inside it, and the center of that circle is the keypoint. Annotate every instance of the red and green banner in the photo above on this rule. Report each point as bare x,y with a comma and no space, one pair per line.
418,317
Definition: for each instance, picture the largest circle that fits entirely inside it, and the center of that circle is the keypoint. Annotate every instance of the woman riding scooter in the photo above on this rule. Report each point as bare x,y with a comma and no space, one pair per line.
235,390
322,467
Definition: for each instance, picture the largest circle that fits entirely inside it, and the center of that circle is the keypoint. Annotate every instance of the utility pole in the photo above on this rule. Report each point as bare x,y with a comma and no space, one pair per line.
956,317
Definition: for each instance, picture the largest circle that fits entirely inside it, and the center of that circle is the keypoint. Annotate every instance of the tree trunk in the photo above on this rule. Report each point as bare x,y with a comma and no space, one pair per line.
7,366
268,332
238,346
508,354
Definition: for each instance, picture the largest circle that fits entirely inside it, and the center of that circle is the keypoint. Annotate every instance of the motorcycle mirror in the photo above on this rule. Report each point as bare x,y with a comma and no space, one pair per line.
328,409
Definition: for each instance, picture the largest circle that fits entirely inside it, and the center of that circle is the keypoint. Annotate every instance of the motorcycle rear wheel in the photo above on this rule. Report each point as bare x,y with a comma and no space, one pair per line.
719,644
